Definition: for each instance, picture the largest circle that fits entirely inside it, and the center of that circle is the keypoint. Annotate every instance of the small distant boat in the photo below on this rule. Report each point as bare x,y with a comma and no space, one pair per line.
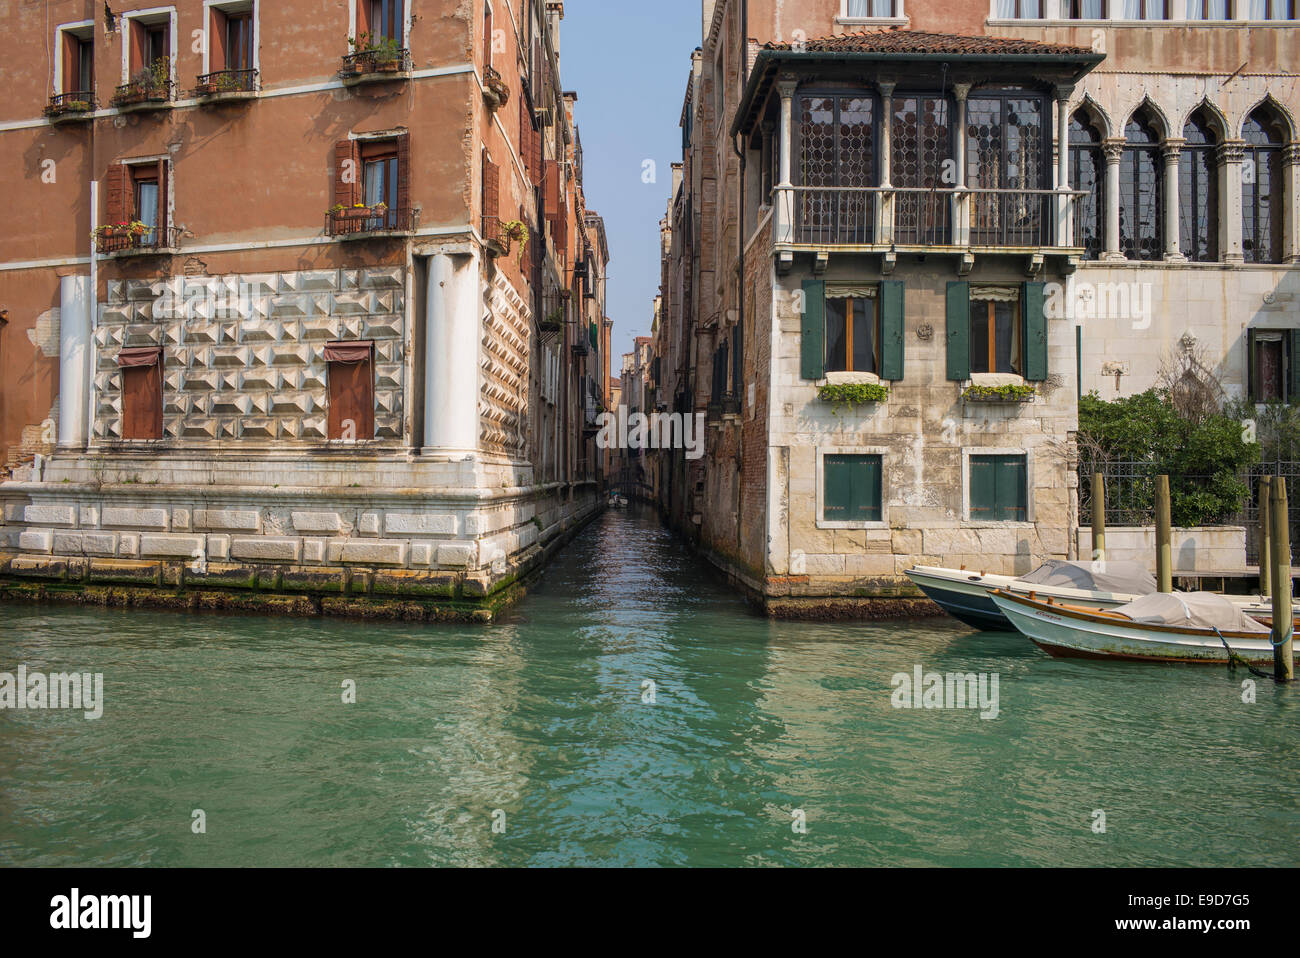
967,596
1163,627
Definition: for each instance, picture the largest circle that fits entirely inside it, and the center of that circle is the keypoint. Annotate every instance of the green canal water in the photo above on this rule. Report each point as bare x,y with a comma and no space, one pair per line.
543,726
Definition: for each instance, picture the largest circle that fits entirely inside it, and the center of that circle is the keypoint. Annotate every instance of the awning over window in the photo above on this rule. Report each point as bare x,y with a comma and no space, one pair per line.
349,353
146,356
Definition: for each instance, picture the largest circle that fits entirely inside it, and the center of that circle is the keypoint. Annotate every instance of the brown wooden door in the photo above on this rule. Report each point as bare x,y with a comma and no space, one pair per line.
142,405
351,401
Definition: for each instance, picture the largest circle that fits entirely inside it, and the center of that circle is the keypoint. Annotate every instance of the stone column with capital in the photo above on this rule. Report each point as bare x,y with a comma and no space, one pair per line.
1229,156
885,200
1064,227
786,87
1114,149
960,199
1171,150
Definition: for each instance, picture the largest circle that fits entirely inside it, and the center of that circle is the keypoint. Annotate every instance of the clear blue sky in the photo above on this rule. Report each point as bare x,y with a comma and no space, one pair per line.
629,63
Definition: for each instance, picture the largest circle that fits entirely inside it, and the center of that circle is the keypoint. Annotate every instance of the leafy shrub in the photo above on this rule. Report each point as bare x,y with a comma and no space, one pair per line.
1205,460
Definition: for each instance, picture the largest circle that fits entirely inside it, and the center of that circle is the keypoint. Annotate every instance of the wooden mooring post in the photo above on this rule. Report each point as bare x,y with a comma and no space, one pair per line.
1283,621
1164,536
1265,537
1098,517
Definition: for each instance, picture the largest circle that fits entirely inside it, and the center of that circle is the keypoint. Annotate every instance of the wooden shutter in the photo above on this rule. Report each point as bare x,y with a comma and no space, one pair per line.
1034,316
891,330
958,319
403,177
351,400
163,205
1011,505
71,63
552,190
218,55
117,194
491,198
347,152
983,489
837,486
813,330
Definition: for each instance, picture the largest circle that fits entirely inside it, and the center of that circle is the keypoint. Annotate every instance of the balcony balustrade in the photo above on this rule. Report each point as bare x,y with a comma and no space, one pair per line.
953,217
135,238
77,105
226,84
364,221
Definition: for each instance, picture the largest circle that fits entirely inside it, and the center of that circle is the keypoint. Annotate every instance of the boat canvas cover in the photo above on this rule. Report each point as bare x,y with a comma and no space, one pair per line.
1126,578
1190,610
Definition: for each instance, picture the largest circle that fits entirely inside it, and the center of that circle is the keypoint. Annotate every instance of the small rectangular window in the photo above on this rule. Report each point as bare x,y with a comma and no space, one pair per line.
998,489
142,393
351,391
1269,365
852,334
851,488
995,337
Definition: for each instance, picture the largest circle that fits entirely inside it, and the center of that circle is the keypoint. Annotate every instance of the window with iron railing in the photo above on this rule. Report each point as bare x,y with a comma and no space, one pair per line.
837,146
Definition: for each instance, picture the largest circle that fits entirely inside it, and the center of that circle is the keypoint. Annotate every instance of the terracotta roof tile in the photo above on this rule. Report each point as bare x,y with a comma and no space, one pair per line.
912,41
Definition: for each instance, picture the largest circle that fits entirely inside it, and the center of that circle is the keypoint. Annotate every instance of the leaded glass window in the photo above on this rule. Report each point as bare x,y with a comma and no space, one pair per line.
1141,186
920,150
1261,187
1198,192
1088,174
1004,152
836,164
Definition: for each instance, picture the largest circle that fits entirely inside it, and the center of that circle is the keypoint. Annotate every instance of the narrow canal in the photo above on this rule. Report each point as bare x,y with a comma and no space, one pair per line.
545,727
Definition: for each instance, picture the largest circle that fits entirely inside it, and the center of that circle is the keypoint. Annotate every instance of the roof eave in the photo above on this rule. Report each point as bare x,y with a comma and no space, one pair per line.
769,58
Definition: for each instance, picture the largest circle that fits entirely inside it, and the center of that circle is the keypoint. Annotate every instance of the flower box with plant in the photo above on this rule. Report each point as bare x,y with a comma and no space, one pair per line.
111,230
553,322
1011,393
853,394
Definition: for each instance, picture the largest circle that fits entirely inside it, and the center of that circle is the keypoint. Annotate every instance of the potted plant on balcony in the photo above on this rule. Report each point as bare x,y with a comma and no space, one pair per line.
553,322
372,54
149,84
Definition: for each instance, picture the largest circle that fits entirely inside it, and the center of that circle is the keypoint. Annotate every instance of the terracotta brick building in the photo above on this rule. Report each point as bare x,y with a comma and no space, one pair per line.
307,295
895,255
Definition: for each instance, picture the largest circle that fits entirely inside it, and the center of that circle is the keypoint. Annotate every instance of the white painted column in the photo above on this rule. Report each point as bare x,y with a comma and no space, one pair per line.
1064,206
451,361
885,199
1230,155
1114,151
785,191
1172,148
74,362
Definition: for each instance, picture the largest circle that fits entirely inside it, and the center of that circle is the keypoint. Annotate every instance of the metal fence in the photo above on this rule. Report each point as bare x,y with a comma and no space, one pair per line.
1131,496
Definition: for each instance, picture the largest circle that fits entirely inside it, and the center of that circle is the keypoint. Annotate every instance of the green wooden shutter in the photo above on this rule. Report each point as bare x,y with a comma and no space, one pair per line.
814,329
837,493
891,330
983,489
1011,504
866,493
1032,307
959,331
1294,393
